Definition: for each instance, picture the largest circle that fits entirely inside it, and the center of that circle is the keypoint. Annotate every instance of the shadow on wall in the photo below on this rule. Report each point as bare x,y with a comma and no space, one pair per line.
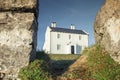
34,27
34,38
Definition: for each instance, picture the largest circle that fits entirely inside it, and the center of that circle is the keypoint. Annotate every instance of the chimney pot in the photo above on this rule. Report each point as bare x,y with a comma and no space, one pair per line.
53,24
72,27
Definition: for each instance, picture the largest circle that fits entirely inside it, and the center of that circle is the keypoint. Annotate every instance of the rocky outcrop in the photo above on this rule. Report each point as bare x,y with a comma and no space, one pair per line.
18,36
12,4
107,28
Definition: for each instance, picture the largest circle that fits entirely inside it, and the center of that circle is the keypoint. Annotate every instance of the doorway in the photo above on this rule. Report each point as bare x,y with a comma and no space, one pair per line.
72,50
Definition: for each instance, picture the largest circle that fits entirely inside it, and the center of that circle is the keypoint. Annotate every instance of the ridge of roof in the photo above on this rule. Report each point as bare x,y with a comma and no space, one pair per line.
66,30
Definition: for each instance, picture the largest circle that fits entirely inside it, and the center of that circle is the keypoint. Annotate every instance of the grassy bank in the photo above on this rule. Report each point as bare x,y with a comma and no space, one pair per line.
38,69
99,66
63,56
47,67
60,63
94,64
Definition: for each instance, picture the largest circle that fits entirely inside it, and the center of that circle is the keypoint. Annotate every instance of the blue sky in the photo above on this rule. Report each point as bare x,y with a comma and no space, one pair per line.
81,13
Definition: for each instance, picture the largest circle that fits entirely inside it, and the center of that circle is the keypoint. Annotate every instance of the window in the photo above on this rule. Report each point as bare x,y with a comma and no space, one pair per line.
58,46
69,36
58,35
79,37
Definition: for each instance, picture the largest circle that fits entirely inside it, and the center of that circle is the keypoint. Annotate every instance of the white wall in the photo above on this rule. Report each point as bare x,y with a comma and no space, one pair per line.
51,41
46,46
64,40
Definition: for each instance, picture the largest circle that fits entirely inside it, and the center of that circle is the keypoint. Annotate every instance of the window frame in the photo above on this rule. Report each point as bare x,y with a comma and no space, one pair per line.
58,36
58,46
69,36
80,37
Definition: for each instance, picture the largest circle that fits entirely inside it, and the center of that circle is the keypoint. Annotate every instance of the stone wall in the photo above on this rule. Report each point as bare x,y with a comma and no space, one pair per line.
18,36
107,28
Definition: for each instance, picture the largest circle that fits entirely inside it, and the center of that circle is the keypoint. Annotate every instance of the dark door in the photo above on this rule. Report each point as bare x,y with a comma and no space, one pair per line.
72,49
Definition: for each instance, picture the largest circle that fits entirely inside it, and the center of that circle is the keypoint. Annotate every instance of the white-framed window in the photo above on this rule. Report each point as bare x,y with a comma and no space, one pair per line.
58,46
69,36
79,37
58,36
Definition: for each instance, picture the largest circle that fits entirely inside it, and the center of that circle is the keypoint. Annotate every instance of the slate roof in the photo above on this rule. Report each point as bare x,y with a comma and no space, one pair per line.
64,30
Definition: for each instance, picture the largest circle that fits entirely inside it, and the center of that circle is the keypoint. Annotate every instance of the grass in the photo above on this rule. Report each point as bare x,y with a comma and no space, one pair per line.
63,56
61,62
46,67
36,70
99,66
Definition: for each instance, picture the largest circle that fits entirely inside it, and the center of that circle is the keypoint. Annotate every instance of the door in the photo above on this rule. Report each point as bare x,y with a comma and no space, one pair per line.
78,49
72,50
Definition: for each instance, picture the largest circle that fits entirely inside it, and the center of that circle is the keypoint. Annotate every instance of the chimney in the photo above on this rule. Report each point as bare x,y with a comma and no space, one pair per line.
72,27
53,24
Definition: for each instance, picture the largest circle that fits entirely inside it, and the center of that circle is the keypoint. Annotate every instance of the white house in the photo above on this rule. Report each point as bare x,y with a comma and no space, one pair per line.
64,41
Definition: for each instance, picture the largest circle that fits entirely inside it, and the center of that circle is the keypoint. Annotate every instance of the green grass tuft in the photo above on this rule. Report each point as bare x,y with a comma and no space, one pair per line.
36,70
101,66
